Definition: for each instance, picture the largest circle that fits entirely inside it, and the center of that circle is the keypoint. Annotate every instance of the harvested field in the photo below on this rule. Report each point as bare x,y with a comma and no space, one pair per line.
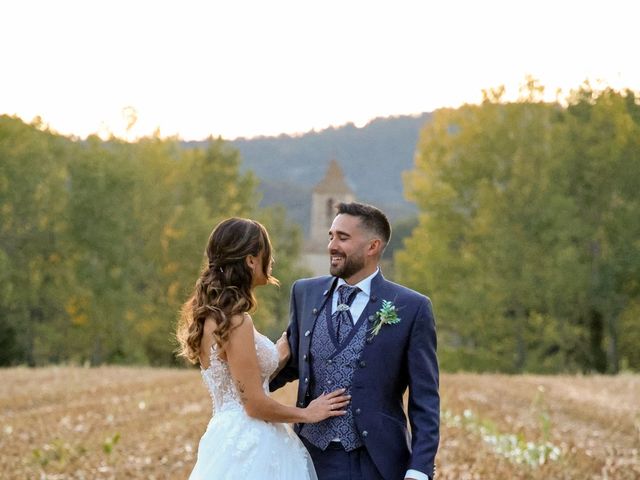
144,423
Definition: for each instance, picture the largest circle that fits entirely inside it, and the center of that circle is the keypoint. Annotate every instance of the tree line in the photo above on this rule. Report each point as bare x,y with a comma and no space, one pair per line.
102,241
528,237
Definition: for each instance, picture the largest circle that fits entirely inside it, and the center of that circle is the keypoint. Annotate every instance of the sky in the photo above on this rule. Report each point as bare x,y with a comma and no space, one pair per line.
246,68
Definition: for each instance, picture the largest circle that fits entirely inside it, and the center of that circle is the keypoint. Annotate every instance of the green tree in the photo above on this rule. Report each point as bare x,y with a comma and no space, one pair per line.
33,235
101,242
505,242
600,147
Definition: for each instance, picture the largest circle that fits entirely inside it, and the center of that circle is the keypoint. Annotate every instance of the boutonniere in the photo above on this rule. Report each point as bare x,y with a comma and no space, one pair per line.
387,315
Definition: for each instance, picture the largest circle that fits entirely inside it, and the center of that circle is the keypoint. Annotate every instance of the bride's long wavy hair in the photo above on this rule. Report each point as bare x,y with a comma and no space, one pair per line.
224,287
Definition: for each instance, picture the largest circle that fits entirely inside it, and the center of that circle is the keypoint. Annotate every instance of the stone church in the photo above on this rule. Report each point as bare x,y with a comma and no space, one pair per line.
326,195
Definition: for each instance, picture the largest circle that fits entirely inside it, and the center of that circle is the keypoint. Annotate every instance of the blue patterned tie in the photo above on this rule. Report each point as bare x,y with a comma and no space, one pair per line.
342,319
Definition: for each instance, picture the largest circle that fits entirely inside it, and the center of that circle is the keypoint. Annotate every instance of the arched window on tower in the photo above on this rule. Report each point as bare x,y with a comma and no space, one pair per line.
330,210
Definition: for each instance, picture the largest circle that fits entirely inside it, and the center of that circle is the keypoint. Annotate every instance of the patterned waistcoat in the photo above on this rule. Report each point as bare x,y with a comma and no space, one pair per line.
332,367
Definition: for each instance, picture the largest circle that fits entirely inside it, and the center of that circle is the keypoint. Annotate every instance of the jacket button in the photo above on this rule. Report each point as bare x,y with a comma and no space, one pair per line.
372,318
358,411
314,311
329,361
307,333
365,433
306,380
304,357
363,364
300,404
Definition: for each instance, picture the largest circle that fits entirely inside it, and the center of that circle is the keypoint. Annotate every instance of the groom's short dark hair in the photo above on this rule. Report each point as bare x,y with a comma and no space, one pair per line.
371,217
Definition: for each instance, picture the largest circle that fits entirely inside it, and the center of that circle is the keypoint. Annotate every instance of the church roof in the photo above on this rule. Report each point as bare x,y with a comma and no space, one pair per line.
333,181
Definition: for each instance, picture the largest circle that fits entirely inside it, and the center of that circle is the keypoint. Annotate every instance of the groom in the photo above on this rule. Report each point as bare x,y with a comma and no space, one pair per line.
356,330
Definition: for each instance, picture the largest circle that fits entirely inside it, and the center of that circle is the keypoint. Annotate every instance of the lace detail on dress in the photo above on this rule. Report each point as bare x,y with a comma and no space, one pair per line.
236,445
217,377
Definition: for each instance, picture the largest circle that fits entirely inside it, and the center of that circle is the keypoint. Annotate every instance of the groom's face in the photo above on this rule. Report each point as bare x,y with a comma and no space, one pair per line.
347,246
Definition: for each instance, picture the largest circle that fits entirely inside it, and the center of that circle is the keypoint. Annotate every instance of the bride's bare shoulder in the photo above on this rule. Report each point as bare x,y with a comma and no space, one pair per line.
236,321
241,320
240,331
241,327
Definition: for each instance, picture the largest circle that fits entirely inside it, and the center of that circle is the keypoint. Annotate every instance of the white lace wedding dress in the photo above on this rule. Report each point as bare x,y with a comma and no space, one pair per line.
236,446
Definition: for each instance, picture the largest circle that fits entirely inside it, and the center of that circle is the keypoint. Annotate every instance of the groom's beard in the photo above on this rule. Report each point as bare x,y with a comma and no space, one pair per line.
349,266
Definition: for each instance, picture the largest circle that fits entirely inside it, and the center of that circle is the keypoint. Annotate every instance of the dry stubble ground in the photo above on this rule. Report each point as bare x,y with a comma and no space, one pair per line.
144,423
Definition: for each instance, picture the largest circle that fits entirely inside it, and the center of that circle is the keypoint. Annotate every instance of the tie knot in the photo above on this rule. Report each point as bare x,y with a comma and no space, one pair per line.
346,294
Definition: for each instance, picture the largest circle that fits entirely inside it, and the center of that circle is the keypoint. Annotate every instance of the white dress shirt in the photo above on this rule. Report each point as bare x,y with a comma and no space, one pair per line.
361,300
357,307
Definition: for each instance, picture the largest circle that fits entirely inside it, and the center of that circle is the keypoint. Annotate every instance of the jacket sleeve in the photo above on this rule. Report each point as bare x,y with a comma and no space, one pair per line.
290,370
424,399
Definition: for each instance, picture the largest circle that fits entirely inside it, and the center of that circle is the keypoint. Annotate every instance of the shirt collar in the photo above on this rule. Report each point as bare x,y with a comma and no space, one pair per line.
364,285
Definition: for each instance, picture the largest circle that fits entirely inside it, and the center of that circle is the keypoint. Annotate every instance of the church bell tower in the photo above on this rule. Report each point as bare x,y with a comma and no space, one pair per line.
327,194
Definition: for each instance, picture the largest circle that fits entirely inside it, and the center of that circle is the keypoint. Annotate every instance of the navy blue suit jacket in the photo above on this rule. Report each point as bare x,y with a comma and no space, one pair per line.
400,356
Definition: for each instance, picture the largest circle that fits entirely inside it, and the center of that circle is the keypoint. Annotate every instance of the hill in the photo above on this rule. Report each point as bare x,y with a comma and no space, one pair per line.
373,158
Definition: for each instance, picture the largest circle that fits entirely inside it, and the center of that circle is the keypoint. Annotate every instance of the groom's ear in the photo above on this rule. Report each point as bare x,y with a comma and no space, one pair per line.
375,247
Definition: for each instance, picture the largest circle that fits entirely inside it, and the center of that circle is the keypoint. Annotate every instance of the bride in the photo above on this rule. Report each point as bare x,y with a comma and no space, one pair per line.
247,437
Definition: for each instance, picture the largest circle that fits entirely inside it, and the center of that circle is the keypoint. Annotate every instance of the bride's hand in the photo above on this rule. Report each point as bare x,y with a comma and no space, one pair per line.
327,405
284,351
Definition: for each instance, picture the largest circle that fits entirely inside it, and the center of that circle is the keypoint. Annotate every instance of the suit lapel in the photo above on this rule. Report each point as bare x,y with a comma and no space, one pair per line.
378,290
318,299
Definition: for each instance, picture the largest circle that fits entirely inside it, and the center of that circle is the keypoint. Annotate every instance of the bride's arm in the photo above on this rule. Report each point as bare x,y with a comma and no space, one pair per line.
245,370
